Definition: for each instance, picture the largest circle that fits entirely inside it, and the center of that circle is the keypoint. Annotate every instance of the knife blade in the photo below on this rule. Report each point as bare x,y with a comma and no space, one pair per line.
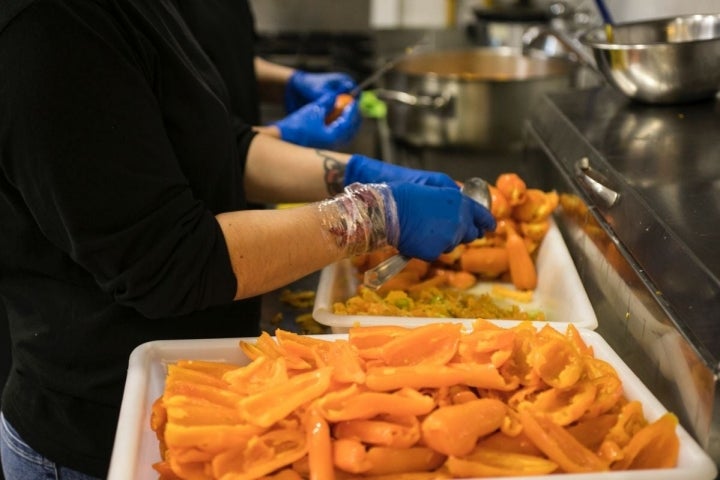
386,67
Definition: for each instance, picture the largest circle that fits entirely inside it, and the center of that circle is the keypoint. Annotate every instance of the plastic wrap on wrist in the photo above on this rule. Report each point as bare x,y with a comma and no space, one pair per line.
362,218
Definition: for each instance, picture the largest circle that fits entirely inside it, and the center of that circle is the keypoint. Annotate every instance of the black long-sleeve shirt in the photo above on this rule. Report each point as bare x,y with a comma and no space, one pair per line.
120,139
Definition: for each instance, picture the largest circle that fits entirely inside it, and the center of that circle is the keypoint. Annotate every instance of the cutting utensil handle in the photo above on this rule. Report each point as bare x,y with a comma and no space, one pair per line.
375,277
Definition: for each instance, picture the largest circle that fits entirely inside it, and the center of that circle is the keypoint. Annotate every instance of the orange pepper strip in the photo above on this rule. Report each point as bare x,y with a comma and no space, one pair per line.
535,231
286,474
191,455
564,406
497,463
609,392
209,438
261,456
283,336
189,411
349,404
483,376
655,446
596,368
261,374
252,351
370,340
487,346
181,374
415,376
158,417
350,456
523,272
538,205
267,407
346,364
556,361
512,187
165,471
610,451
517,367
629,422
435,376
511,425
432,344
435,475
194,470
215,369
388,460
300,350
591,432
374,336
609,386
522,397
455,429
220,396
573,334
559,445
500,441
302,346
461,394
265,345
392,431
320,450
432,282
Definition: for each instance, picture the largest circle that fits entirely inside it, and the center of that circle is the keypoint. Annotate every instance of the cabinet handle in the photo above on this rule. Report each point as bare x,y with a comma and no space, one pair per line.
595,184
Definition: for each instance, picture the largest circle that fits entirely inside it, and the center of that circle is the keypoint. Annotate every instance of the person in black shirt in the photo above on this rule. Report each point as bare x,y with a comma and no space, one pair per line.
125,176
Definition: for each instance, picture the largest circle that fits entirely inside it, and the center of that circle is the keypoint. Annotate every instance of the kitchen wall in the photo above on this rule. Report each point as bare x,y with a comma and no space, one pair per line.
632,10
360,15
311,15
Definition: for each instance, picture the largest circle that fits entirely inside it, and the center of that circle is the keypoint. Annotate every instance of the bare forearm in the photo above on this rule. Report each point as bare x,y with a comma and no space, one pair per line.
272,78
271,248
278,171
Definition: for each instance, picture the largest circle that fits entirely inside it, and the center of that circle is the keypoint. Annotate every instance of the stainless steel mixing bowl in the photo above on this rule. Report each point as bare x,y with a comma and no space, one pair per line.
660,61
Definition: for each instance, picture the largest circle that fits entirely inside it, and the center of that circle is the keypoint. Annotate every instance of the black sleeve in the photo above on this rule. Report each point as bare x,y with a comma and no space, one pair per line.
225,29
84,141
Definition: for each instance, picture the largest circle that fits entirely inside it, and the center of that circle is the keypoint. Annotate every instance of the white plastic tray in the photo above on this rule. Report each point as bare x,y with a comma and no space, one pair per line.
136,447
560,293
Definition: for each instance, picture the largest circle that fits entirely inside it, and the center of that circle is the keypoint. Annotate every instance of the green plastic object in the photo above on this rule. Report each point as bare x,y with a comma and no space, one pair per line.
371,106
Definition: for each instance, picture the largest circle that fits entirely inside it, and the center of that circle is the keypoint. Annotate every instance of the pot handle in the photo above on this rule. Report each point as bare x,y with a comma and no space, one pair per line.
535,34
424,101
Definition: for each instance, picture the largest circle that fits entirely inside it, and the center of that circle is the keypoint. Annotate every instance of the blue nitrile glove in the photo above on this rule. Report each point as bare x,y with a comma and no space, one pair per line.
305,87
434,220
307,126
362,169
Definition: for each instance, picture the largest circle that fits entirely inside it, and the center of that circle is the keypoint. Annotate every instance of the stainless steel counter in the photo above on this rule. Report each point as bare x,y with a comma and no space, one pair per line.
664,162
645,242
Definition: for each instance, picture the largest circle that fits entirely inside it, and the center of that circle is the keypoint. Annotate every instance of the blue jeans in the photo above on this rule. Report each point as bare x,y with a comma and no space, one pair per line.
21,462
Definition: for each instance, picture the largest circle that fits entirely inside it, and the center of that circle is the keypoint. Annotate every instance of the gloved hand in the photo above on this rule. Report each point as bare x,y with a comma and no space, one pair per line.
435,220
305,87
307,126
362,169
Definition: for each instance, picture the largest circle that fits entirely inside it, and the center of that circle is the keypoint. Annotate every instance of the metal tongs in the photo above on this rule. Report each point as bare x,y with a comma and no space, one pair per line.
475,188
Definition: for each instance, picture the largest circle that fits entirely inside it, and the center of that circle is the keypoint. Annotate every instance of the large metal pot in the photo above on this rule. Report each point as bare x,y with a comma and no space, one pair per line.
476,98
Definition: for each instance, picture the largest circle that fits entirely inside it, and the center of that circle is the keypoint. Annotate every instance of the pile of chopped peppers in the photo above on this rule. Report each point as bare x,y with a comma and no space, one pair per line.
393,403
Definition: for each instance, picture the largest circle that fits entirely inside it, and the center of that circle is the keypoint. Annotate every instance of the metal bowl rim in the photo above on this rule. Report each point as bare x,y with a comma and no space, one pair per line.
585,37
